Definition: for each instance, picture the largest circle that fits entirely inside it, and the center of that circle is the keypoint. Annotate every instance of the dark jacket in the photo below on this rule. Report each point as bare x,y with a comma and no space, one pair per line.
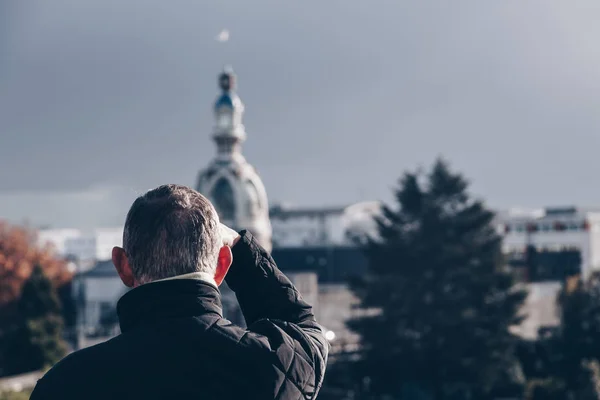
175,343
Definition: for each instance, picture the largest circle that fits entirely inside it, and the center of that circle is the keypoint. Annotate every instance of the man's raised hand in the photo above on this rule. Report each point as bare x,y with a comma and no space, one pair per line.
229,237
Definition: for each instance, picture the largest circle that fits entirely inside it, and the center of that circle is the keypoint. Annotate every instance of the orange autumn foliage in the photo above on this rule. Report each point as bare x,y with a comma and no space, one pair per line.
19,254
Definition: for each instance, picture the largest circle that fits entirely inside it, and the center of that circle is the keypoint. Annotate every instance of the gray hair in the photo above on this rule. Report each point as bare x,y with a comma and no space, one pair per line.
171,230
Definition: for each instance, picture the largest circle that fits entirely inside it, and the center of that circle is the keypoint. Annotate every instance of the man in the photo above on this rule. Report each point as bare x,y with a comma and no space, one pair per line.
174,341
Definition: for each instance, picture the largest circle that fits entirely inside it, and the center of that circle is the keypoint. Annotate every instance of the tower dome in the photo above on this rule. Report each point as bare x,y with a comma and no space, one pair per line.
359,220
229,181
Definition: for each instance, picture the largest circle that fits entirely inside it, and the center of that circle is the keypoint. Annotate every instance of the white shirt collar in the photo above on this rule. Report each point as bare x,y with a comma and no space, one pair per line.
199,276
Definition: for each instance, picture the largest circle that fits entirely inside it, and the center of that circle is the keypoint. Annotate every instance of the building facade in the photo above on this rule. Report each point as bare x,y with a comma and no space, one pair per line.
296,227
566,240
97,292
84,248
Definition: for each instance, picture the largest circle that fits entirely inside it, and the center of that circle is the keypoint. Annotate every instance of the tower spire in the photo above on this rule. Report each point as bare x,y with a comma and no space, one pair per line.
229,132
229,181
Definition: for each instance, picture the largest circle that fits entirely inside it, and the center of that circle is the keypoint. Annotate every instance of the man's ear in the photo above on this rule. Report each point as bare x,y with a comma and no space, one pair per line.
223,264
121,262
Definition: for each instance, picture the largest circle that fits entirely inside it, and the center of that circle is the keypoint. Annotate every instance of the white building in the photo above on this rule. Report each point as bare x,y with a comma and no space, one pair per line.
97,245
57,238
553,230
97,292
82,245
230,182
322,227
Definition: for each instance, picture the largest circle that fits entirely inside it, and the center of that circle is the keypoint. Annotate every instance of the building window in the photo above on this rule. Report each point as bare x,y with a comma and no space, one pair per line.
546,227
532,227
559,226
223,199
585,226
106,307
520,228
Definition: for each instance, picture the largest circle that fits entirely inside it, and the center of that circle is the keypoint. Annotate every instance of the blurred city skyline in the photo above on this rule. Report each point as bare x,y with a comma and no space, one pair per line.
102,100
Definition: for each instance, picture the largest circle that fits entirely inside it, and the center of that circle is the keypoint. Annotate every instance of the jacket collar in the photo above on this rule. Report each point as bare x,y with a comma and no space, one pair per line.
157,301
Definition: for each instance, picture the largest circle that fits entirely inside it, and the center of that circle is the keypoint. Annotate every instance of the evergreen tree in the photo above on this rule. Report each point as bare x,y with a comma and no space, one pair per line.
37,342
440,298
549,389
575,346
574,342
563,362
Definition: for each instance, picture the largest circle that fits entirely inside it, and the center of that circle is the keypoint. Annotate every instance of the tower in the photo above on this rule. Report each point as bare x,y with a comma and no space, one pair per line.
229,181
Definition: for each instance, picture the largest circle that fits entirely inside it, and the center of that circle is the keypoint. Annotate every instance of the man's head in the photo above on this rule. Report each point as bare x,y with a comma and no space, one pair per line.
171,230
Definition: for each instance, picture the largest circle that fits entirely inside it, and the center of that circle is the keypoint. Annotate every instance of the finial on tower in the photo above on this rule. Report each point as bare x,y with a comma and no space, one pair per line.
229,131
227,79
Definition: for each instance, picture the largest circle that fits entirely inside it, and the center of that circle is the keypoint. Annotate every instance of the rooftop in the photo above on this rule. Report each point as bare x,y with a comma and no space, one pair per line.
102,269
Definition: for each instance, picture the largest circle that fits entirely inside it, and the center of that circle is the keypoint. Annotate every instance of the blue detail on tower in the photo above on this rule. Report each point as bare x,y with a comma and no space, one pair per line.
224,100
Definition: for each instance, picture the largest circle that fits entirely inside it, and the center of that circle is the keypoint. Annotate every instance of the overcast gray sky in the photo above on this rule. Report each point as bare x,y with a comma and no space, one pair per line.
102,99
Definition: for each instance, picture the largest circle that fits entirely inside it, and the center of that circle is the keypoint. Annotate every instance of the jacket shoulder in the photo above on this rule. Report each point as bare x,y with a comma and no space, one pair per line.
76,368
